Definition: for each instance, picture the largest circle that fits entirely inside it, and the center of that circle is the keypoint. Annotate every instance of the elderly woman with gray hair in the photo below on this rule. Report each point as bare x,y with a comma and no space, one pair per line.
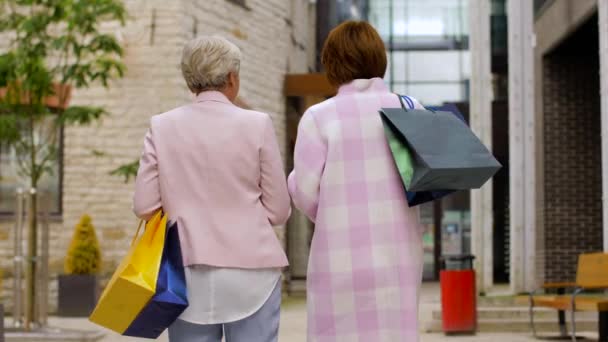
216,170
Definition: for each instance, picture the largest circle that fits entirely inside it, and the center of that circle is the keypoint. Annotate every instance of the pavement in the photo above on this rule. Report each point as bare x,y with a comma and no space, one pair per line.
293,329
293,324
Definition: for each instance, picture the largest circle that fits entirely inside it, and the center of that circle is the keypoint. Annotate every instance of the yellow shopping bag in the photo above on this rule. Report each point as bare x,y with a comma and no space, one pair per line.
134,282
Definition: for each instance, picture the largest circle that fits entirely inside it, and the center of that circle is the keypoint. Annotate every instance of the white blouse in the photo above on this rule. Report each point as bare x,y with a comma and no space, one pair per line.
224,295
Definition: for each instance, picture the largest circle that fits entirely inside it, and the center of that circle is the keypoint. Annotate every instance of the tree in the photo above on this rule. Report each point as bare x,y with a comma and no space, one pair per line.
55,46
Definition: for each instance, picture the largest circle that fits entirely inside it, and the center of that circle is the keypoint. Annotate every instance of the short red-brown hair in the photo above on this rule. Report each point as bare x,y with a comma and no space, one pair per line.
353,50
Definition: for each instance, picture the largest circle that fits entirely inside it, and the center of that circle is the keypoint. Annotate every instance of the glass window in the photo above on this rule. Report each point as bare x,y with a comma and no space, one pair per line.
429,19
456,222
379,12
11,178
401,88
428,66
400,70
435,94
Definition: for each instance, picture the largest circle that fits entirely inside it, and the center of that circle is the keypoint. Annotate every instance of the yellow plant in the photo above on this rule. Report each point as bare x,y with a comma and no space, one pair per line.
84,256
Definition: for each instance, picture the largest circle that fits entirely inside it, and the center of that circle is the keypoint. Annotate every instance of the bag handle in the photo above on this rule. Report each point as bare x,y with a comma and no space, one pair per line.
408,100
401,101
141,222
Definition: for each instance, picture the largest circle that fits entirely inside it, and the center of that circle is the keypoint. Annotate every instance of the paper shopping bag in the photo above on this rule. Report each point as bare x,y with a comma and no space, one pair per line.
170,299
444,153
134,282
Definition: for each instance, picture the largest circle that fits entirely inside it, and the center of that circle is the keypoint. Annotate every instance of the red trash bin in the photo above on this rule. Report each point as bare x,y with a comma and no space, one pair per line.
458,294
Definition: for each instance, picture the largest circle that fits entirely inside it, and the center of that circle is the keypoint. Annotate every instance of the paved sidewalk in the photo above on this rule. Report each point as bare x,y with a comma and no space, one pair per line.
293,329
293,324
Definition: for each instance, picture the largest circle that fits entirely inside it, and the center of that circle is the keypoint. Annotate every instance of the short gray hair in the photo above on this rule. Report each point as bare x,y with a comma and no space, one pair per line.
207,61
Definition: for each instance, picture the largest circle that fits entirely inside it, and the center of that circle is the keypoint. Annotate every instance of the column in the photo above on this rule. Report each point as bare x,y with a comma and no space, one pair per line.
482,219
522,145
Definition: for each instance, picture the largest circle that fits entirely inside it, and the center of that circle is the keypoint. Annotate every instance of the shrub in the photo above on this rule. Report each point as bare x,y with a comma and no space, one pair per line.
84,256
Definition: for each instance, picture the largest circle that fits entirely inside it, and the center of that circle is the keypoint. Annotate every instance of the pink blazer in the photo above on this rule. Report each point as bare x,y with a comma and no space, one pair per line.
216,169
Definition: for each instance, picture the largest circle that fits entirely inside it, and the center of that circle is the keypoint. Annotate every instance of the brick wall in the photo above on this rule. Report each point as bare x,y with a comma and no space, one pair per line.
274,38
572,144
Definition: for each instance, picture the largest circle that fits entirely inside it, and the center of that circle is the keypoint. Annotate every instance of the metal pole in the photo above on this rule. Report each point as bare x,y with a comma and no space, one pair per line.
18,261
2,323
43,275
31,259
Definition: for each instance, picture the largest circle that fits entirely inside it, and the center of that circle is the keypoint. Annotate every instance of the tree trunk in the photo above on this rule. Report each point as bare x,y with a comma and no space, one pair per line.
32,254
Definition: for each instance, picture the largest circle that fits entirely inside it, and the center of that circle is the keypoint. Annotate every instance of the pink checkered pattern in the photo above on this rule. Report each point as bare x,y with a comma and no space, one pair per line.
365,264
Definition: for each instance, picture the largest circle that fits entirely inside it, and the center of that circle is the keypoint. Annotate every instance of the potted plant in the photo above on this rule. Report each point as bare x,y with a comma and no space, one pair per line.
78,287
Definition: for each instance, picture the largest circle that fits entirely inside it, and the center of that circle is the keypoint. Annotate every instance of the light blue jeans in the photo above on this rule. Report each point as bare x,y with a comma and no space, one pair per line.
262,326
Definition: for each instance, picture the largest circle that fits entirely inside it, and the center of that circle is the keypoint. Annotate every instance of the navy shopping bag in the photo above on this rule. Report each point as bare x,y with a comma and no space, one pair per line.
415,198
170,299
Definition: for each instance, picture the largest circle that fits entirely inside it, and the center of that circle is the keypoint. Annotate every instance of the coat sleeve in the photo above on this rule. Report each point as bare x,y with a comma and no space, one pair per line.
147,200
275,197
309,162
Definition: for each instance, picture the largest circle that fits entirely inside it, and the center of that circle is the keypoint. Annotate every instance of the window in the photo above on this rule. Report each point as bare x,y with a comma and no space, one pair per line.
11,178
433,77
428,21
428,47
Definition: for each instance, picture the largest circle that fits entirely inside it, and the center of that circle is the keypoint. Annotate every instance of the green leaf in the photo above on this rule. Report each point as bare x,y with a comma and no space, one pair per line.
80,115
8,66
9,129
98,153
106,68
106,43
127,171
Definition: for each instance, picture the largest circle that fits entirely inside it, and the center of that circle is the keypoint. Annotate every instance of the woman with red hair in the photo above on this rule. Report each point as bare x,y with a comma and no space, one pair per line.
365,266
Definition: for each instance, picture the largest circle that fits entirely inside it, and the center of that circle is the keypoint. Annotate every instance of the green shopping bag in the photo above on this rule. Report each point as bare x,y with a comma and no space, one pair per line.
401,155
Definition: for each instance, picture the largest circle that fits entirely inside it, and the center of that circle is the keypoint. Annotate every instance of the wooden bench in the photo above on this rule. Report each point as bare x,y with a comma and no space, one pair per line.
591,275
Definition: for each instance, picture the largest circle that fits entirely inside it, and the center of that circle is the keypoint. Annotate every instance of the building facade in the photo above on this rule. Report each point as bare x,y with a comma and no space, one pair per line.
558,139
276,38
569,136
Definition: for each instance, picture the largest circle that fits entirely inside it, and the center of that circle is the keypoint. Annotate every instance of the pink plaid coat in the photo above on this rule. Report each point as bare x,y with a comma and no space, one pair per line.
365,265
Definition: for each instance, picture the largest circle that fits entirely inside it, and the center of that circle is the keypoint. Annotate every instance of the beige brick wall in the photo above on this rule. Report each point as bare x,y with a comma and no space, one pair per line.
274,38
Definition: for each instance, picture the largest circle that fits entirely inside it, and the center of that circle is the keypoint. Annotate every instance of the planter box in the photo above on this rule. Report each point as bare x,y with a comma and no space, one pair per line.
53,101
77,295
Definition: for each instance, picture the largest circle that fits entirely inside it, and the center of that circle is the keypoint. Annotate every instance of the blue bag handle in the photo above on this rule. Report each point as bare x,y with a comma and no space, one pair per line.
407,99
410,103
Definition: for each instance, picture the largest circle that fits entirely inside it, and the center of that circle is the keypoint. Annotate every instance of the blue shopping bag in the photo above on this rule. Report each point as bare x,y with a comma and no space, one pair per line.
415,198
170,299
